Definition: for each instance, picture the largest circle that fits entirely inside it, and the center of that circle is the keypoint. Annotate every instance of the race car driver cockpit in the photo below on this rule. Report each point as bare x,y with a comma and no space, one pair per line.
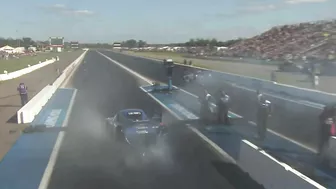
135,116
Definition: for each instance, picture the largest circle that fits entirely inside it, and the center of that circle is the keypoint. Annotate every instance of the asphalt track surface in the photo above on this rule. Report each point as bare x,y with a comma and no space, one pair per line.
90,158
290,119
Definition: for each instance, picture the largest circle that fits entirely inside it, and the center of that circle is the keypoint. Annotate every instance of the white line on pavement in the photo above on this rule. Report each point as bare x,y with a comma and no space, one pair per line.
301,102
53,157
215,146
204,138
286,138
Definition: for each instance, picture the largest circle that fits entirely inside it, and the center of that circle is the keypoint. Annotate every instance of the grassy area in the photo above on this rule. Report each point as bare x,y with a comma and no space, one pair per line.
14,64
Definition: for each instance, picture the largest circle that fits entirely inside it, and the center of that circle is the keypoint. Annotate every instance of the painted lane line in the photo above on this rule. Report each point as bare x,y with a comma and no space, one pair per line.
252,123
53,157
127,69
49,169
218,149
149,80
184,111
287,167
72,102
197,132
271,131
301,102
223,153
298,101
286,138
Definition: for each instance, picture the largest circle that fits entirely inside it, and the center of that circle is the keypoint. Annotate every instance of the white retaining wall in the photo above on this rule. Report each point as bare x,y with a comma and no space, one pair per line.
27,70
28,112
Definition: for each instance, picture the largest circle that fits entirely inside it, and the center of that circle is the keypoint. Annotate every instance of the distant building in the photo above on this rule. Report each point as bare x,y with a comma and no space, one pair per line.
116,45
74,44
32,49
19,50
7,49
56,44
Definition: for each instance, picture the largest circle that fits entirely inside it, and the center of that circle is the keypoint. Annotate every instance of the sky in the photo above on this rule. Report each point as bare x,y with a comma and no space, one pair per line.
155,21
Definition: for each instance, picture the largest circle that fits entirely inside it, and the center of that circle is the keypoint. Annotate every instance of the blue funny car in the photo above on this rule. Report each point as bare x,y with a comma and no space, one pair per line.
135,128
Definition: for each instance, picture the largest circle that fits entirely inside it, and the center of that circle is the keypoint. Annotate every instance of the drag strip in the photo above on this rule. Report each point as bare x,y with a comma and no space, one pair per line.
89,157
291,120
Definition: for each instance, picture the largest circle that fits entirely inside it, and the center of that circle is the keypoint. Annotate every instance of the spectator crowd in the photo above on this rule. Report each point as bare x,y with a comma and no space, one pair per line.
314,40
303,42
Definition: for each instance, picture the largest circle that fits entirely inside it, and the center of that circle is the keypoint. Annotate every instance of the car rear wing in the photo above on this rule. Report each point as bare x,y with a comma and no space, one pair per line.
157,88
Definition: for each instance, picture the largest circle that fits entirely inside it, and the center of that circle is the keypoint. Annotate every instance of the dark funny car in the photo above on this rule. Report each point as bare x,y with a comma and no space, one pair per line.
134,128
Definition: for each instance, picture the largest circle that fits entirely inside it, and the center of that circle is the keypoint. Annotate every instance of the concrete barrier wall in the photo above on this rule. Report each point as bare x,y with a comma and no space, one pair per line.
68,70
27,70
266,85
269,172
28,112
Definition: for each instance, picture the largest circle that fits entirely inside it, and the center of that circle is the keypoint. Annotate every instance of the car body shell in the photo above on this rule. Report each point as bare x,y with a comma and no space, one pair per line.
139,134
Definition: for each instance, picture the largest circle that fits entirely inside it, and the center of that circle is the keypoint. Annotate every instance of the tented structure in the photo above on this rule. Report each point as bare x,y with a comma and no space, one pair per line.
7,49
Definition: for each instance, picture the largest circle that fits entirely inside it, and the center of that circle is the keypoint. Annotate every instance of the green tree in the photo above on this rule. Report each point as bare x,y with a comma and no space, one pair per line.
141,43
213,42
131,43
26,42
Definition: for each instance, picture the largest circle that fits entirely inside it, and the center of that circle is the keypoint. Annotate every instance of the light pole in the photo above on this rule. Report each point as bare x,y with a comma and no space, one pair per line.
18,39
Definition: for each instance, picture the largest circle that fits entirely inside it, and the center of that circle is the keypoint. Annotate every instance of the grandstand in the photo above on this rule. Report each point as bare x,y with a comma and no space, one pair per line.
299,41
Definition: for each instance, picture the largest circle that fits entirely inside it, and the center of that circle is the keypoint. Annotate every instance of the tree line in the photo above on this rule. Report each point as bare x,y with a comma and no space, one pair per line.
199,42
131,43
20,42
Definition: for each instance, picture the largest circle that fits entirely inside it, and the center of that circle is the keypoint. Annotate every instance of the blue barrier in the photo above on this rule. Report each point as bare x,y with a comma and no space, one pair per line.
25,163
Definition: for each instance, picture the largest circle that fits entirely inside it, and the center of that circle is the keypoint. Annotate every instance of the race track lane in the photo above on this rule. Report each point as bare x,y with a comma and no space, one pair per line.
90,159
289,119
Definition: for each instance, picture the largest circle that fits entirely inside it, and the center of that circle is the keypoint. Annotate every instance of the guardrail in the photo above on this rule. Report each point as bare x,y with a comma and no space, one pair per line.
28,112
27,70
